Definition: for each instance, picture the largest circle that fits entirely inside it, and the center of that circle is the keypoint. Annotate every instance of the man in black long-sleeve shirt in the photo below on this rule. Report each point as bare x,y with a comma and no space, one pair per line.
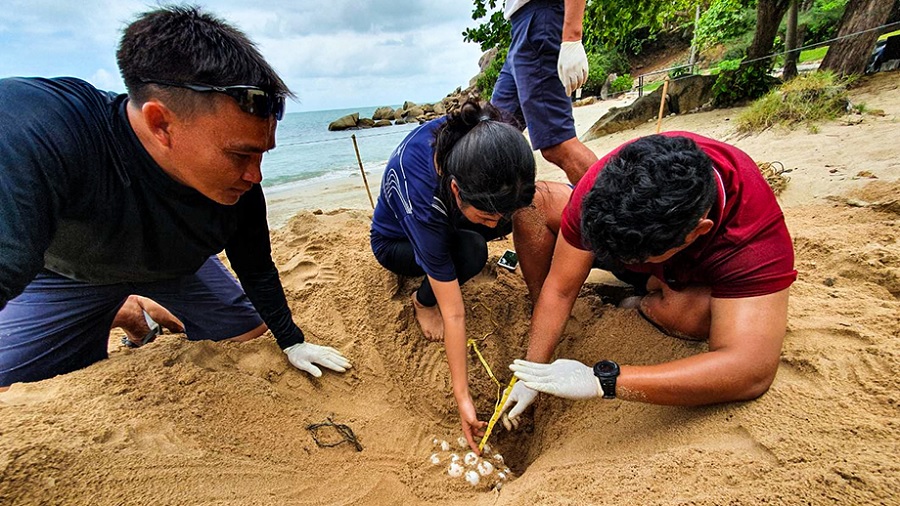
106,195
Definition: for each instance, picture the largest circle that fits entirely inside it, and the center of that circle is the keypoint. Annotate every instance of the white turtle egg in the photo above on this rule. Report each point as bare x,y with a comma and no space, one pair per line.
455,470
487,449
436,442
485,468
498,458
454,457
435,459
462,442
470,459
498,486
506,470
472,478
445,446
501,476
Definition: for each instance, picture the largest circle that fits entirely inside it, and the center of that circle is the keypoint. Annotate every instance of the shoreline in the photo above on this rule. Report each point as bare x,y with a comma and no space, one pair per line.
285,201
816,176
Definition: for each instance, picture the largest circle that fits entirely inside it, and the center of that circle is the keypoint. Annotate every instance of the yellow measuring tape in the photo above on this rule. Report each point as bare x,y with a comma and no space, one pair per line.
496,415
473,343
501,399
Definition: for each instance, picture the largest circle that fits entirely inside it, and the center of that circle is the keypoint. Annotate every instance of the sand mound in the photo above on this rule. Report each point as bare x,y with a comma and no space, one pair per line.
206,423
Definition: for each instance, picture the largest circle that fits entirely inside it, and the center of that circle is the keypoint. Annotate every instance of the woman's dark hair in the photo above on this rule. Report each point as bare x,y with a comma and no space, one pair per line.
648,198
489,159
182,44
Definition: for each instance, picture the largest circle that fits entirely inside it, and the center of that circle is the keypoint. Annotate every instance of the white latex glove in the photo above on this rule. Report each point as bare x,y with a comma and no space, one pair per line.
569,379
523,397
305,356
572,66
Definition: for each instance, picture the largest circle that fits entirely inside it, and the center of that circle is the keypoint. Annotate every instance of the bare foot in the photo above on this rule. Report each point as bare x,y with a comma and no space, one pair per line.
430,320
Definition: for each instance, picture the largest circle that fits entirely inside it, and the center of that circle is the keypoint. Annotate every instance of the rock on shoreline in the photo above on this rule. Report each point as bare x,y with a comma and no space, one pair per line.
409,112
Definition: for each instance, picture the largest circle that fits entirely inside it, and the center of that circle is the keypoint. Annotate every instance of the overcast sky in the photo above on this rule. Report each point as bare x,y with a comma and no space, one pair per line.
332,53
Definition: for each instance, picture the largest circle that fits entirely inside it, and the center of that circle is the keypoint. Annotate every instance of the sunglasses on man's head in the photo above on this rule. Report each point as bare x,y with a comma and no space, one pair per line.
250,99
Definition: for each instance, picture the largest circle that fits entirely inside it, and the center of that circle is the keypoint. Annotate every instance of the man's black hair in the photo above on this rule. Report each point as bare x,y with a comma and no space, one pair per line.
648,198
489,159
186,45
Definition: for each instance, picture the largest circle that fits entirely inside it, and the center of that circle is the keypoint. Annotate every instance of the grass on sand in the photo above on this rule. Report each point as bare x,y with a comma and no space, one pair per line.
809,98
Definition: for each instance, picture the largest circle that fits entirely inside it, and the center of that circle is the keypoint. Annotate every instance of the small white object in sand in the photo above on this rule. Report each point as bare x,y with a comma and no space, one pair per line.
498,458
470,459
485,468
462,442
454,457
486,450
472,478
501,476
435,459
455,470
445,446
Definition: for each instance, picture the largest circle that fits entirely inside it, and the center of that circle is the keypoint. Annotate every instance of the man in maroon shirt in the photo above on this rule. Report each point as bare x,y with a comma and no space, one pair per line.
694,225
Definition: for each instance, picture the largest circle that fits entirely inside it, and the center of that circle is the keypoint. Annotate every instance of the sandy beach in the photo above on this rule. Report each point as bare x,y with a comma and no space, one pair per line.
205,423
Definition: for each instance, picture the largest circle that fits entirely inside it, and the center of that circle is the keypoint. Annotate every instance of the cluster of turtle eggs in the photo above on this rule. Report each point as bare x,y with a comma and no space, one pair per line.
470,465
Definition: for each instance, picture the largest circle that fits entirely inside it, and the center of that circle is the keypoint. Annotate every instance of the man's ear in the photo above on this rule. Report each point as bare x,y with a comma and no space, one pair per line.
158,119
703,227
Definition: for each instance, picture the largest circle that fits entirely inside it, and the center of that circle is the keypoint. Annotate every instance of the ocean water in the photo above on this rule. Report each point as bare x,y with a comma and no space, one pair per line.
307,152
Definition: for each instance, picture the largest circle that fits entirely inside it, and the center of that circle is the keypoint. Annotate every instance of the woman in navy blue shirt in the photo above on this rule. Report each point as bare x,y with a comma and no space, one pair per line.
448,188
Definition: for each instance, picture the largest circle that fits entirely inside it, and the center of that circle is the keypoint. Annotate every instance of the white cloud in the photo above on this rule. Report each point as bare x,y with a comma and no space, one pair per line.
106,80
337,53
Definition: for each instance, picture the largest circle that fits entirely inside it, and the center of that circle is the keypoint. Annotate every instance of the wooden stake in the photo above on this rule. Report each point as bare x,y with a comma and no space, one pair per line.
662,103
363,171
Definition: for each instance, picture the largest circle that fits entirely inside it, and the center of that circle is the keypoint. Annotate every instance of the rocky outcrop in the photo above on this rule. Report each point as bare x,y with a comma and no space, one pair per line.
345,122
690,94
685,95
383,113
409,112
483,63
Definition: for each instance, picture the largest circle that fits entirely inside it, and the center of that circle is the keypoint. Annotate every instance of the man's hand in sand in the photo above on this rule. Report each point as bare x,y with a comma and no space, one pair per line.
429,319
472,427
569,379
306,356
520,398
131,318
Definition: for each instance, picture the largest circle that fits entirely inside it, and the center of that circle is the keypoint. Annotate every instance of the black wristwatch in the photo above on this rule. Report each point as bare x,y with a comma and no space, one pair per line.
607,371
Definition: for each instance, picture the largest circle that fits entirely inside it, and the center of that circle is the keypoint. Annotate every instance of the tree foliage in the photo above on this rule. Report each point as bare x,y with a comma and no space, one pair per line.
607,23
615,23
494,31
723,20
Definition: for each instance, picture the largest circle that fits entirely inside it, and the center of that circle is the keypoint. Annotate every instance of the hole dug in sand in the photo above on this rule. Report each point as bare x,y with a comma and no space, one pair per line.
456,462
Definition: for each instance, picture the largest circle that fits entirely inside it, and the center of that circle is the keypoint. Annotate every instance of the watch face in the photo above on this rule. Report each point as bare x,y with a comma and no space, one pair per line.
606,368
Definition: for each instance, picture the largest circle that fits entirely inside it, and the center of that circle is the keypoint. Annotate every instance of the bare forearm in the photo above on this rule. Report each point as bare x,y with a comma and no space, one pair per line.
547,324
455,346
573,20
708,378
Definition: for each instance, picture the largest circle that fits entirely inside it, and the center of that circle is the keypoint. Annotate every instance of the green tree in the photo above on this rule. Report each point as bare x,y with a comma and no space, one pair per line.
494,32
614,23
607,23
849,56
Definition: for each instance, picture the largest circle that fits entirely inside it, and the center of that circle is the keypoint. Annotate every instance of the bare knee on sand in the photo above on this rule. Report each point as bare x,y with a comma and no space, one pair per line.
429,319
